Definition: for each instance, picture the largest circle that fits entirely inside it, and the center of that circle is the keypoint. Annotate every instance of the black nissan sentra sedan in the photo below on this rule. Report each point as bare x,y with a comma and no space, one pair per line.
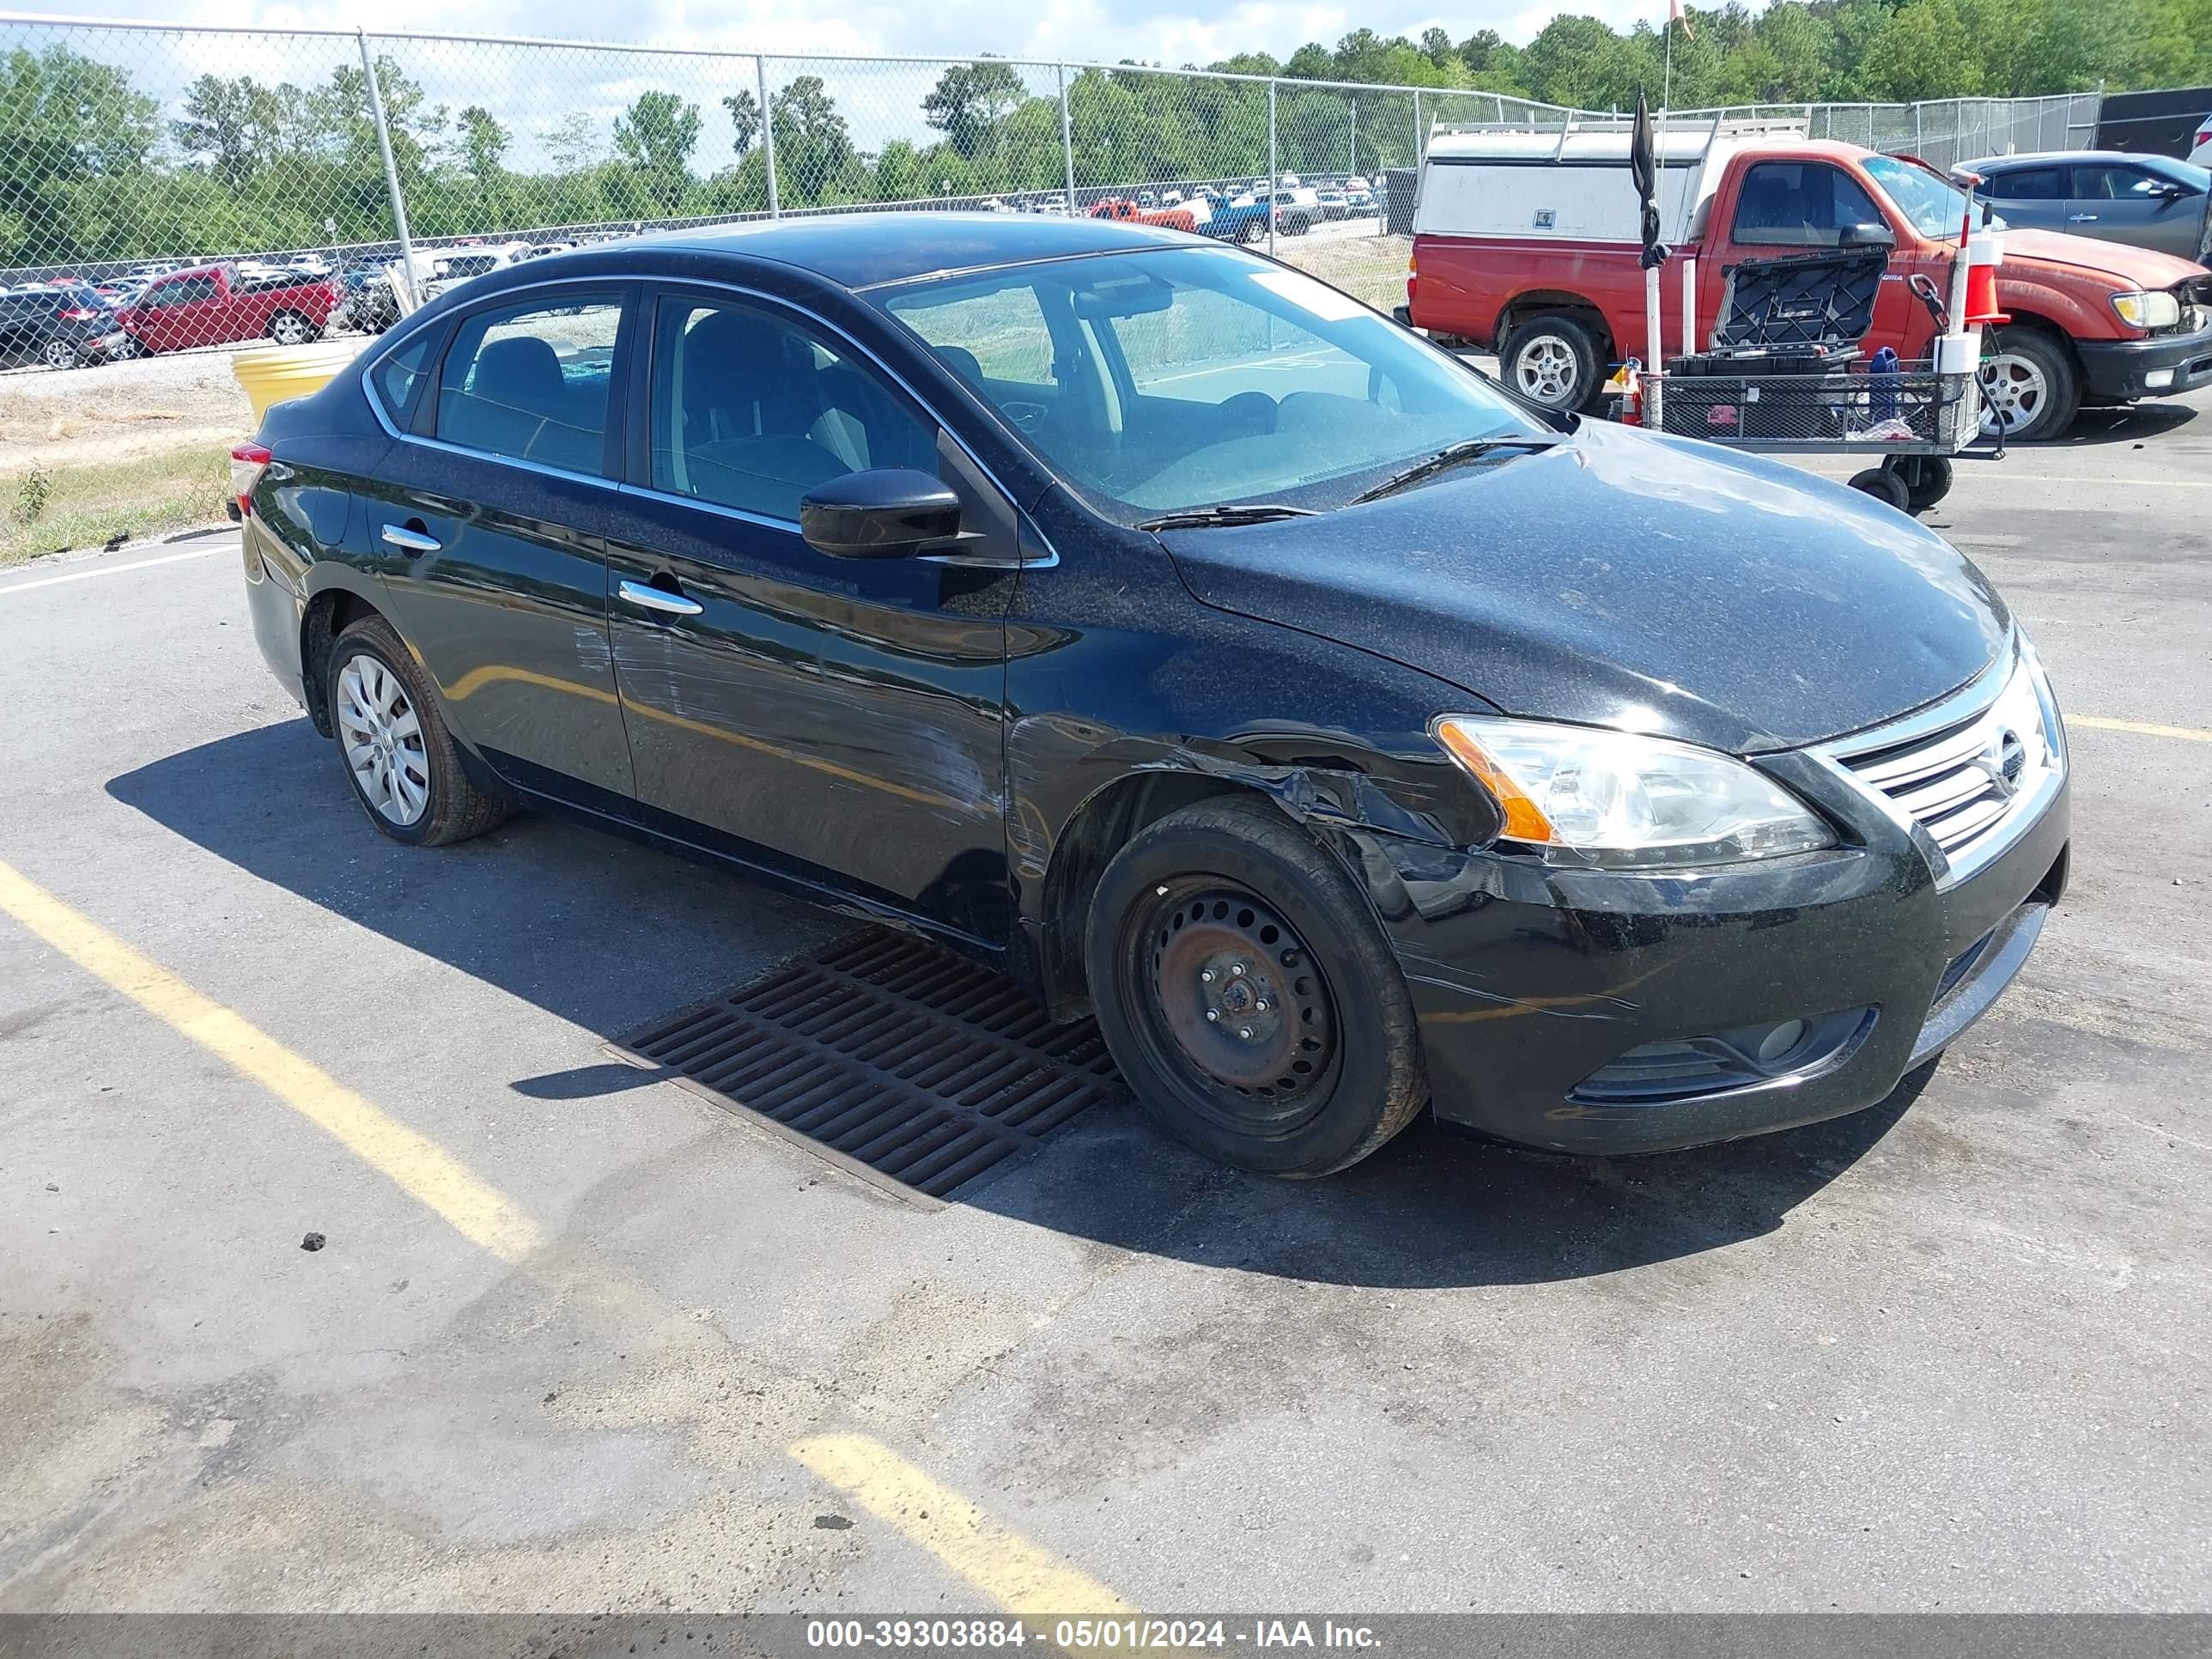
1150,620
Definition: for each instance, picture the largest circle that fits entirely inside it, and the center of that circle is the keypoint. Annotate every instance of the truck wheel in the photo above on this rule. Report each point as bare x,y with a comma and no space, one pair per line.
1248,995
1252,230
1552,360
2031,390
290,328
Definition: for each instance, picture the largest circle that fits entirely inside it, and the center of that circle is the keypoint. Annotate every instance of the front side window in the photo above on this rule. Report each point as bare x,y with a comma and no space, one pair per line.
1169,379
750,412
1800,204
2115,184
531,382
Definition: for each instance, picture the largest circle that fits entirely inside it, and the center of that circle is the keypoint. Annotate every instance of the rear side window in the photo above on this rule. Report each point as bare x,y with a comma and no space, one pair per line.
1800,204
2029,184
750,412
531,382
183,291
400,375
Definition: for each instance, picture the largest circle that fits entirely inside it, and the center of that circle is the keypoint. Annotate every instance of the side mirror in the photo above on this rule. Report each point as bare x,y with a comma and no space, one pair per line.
1866,236
886,512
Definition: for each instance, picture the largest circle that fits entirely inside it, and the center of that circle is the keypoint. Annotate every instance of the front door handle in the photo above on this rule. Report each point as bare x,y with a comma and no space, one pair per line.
659,599
408,541
2081,218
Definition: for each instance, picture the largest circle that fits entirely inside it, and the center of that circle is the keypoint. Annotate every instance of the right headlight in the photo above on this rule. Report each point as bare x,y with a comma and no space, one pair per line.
2147,310
1580,795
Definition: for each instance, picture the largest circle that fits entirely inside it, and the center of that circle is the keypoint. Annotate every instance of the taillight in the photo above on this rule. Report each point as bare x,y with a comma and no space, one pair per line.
1413,274
248,463
77,314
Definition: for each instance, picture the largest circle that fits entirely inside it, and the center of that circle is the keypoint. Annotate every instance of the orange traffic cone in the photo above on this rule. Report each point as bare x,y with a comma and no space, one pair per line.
1981,296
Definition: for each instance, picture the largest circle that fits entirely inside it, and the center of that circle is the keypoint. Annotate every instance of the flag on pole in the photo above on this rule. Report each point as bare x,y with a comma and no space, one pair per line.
1676,13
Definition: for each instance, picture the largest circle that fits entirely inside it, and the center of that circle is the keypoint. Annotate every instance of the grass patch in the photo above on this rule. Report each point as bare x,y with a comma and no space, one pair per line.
52,509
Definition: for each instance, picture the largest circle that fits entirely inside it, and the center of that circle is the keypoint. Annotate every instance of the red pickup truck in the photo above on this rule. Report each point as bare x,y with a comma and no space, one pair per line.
1510,257
210,305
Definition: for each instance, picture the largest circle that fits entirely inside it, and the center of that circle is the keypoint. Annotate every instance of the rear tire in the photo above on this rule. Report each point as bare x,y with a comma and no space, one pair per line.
1312,1059
1552,360
398,755
58,353
291,328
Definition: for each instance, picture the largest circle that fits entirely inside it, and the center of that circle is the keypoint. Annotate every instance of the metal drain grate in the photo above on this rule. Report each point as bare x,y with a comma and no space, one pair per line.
891,1056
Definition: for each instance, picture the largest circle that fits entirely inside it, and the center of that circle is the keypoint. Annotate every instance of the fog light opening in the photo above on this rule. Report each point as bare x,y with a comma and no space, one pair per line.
1780,1040
2157,378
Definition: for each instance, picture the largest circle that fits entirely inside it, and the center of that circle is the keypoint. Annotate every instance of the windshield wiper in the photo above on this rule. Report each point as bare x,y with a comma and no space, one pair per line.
1451,455
1206,518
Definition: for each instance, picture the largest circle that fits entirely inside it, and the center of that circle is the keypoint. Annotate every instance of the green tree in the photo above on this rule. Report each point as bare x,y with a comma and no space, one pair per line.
969,102
656,136
815,161
744,112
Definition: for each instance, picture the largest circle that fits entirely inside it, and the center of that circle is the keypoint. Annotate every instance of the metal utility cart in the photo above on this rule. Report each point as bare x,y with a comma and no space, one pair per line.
1785,374
1913,417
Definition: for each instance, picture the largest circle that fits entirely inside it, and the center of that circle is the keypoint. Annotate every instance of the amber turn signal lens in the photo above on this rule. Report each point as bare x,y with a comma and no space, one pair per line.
1524,819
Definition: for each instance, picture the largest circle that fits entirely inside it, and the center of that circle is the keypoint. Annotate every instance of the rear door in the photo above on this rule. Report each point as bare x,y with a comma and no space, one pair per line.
485,517
839,721
2031,198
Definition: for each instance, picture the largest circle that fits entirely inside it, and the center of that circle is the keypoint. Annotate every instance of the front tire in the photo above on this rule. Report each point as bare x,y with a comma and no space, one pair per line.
400,759
2031,389
1248,994
1552,361
59,354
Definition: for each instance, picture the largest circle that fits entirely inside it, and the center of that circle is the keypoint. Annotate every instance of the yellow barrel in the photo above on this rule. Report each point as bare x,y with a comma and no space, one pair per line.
273,374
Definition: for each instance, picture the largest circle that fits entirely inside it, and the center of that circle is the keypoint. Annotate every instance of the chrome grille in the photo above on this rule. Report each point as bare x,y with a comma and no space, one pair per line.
1969,770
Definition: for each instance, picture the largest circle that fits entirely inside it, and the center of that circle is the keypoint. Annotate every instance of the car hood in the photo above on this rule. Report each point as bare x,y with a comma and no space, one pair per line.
2145,268
1629,580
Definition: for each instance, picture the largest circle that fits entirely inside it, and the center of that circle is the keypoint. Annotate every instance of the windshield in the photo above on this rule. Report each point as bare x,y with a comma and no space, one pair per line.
1161,381
1934,208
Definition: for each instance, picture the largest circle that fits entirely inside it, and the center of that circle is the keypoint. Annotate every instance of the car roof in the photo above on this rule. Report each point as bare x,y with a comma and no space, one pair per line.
865,249
2044,158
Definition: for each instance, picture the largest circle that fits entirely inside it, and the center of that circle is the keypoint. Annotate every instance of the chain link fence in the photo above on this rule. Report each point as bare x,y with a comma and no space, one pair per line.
383,166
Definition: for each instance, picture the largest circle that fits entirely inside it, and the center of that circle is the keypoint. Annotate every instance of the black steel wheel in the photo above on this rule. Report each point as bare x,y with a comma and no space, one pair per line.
1248,995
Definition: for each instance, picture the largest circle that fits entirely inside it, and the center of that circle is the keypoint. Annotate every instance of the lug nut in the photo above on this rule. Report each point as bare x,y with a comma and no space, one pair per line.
1205,975
1244,1031
1261,1005
1212,1014
1237,968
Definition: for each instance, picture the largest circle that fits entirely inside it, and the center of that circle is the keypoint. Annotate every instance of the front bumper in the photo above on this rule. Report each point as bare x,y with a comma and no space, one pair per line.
2123,369
1528,978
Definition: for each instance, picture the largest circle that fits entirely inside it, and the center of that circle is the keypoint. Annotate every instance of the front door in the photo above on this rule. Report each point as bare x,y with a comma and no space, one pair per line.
837,719
2121,201
486,521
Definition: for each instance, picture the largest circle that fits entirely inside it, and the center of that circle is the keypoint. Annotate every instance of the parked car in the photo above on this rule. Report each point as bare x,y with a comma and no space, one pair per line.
1235,665
1542,261
1332,204
1245,219
218,303
59,327
2146,201
1362,201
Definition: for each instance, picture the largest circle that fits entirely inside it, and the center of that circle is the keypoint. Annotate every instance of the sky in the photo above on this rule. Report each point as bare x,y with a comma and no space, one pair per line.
1156,31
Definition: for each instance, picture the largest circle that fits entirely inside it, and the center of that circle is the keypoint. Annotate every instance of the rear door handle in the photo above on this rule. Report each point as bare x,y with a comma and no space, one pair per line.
659,599
409,541
2081,218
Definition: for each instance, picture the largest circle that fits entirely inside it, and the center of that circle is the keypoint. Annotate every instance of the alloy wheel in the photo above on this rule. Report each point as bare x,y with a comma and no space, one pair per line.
2014,393
288,330
1237,995
383,740
59,353
1546,371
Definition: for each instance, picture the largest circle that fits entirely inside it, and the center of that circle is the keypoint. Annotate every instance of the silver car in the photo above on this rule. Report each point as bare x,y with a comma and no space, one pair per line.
2116,196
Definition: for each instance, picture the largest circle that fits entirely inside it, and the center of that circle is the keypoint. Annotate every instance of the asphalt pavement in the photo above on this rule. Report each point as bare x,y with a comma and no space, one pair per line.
577,1338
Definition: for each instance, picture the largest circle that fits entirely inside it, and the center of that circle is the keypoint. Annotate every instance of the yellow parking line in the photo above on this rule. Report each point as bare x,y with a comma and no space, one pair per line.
2141,728
416,1164
1018,1575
